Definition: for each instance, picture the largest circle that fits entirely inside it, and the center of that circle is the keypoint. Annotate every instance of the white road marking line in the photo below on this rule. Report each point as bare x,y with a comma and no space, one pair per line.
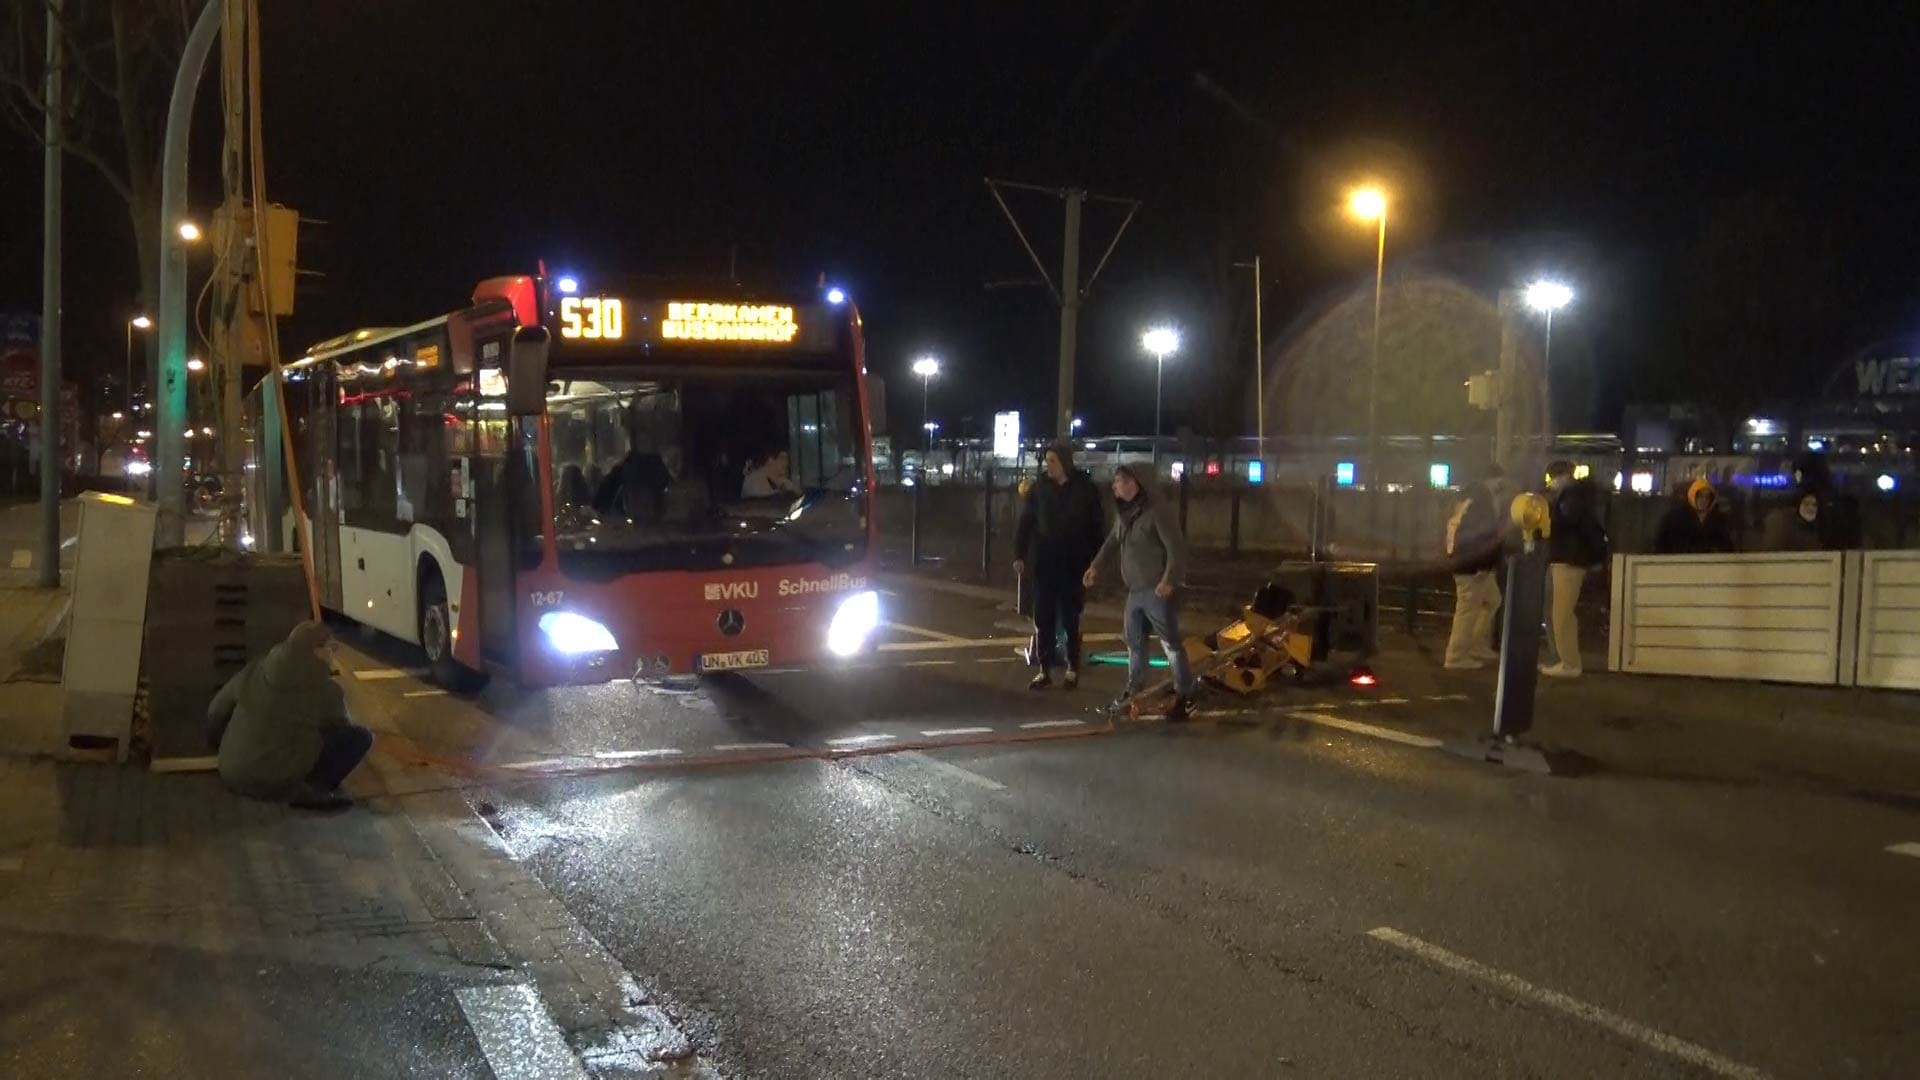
972,643
934,635
375,674
619,755
1691,1053
955,771
1053,723
934,733
998,660
519,1039
1447,697
856,740
727,746
1358,728
538,764
424,693
929,663
1907,848
1392,700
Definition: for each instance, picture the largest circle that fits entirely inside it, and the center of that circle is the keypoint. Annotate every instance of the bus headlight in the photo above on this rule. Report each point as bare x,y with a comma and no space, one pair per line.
854,622
575,634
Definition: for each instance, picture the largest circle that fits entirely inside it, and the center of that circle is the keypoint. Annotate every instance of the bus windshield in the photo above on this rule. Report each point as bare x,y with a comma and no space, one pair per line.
687,470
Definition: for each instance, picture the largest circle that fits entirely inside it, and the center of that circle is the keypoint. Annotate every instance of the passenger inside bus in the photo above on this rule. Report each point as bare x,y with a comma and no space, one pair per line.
770,475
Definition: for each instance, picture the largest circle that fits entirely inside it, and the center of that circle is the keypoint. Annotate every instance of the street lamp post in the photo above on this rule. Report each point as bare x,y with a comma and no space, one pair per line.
1547,297
926,367
1259,367
1370,204
138,322
1159,341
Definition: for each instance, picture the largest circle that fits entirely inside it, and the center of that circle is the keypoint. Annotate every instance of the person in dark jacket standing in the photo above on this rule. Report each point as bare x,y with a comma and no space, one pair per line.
1696,524
1474,540
1060,528
1153,564
1577,543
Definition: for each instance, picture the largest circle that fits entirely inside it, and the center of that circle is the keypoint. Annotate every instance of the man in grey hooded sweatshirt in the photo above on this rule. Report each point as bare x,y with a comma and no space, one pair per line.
1153,563
281,727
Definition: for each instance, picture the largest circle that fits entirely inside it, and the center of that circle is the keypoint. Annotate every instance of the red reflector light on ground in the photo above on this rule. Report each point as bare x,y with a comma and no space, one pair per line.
1363,678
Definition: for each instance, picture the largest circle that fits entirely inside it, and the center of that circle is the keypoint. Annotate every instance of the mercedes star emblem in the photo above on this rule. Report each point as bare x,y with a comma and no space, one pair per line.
731,622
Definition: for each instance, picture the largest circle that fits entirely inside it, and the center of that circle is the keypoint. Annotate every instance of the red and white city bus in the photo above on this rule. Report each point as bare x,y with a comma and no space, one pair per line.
567,484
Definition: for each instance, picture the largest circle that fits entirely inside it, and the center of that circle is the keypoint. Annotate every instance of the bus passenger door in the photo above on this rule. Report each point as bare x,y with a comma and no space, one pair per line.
493,536
323,507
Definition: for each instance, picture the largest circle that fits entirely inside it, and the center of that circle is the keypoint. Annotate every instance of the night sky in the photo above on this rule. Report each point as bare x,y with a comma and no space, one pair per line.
1731,189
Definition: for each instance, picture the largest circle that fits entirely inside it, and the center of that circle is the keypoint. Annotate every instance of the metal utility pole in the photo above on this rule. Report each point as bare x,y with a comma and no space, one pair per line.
1070,294
50,418
170,392
1507,384
1259,366
1069,310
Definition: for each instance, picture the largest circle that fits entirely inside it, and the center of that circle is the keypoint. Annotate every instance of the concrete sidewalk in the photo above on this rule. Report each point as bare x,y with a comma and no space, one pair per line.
156,923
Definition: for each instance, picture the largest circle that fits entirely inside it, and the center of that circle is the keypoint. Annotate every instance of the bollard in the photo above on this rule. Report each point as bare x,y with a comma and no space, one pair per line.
1520,641
915,541
986,532
1520,651
1233,522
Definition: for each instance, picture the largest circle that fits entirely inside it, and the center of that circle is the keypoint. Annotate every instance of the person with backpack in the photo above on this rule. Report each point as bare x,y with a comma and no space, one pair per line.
1576,544
1474,543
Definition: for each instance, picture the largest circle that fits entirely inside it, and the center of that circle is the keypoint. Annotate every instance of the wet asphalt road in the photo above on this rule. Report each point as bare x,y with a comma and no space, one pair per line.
1253,896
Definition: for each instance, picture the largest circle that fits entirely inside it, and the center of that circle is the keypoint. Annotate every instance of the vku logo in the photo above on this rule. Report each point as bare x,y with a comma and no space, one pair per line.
733,590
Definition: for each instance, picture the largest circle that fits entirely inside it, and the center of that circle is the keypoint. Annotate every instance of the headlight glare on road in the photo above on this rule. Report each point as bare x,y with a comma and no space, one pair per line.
853,623
575,634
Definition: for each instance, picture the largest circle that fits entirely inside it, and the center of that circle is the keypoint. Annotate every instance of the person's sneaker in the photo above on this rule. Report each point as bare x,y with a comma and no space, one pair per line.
1560,671
1122,703
1072,681
309,797
1040,681
1181,711
1470,664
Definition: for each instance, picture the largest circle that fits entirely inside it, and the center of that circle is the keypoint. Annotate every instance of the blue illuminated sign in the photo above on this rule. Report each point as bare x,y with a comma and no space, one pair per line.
1256,472
1343,474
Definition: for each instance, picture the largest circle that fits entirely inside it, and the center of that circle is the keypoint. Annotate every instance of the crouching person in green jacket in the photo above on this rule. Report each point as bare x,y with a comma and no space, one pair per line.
281,726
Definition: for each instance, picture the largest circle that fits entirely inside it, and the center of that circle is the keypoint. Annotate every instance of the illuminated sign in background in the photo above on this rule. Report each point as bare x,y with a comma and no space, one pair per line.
593,318
771,324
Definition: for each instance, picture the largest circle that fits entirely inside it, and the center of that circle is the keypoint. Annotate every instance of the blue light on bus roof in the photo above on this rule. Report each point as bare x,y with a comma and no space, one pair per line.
836,295
568,284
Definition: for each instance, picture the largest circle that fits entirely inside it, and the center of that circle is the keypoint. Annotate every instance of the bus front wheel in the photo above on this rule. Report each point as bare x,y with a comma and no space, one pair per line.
436,638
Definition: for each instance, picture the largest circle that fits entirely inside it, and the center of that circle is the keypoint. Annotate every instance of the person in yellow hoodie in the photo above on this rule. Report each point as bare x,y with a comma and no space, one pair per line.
281,726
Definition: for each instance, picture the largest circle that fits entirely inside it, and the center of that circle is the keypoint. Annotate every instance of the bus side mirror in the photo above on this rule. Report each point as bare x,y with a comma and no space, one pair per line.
527,372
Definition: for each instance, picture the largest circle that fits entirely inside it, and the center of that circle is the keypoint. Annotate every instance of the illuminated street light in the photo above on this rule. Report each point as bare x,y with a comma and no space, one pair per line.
194,363
1159,341
1547,297
119,415
189,232
1369,203
836,295
139,322
568,284
926,367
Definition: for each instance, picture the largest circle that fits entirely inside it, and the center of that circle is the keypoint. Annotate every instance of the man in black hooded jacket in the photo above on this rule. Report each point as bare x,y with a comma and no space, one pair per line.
1062,524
